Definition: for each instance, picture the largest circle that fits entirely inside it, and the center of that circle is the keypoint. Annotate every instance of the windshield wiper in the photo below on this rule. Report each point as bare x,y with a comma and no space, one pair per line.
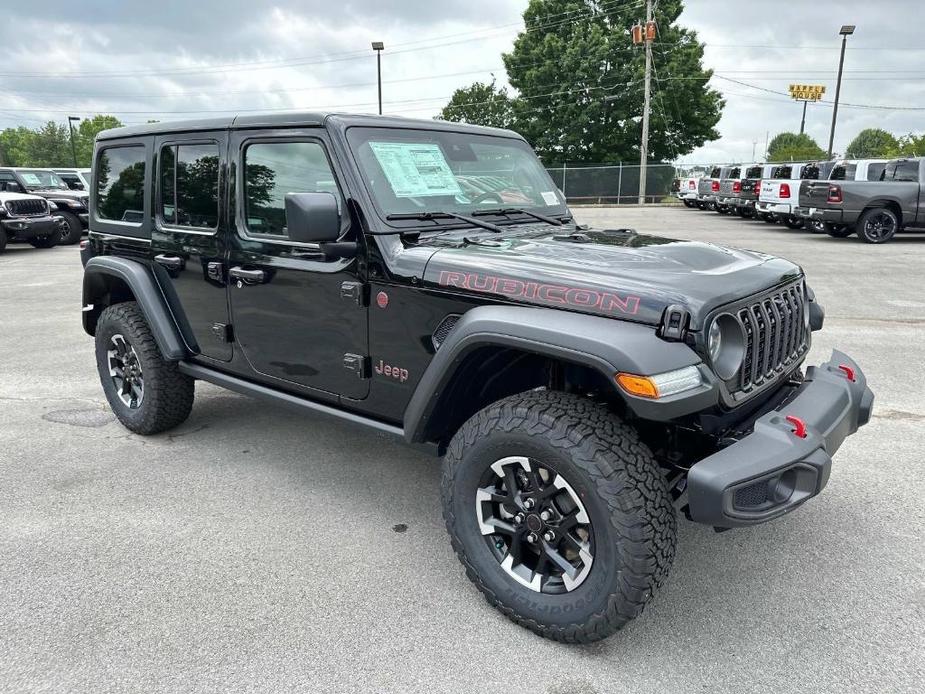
427,216
519,210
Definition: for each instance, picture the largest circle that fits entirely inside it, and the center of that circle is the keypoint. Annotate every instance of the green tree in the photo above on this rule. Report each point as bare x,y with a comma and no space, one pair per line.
482,104
911,145
794,147
872,142
14,146
579,84
85,133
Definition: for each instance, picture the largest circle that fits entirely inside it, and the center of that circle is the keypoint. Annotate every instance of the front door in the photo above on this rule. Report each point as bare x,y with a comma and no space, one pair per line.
187,242
298,316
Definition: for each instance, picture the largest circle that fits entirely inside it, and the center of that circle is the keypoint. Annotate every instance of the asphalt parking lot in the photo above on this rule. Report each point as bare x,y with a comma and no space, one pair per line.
254,549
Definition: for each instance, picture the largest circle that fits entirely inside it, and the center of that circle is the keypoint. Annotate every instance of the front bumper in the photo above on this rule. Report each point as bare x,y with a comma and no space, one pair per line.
772,470
25,228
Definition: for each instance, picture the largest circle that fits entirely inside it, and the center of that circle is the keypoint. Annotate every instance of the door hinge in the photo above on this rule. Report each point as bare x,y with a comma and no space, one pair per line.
223,332
358,364
352,291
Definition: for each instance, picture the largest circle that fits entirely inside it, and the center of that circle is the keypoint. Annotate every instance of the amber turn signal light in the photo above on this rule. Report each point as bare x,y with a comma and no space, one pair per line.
640,386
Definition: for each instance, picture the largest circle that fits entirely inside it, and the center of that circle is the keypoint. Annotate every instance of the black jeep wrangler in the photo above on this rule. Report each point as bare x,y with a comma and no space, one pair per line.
71,205
426,279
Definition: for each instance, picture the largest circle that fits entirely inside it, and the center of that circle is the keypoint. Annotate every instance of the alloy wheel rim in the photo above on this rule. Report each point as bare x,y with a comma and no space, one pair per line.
66,230
535,525
880,226
125,371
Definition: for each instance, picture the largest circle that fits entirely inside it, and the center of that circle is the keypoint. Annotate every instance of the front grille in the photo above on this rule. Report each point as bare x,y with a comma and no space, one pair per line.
776,338
28,207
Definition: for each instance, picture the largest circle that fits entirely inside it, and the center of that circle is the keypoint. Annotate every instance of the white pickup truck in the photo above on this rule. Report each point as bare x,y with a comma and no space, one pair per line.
687,189
845,170
779,195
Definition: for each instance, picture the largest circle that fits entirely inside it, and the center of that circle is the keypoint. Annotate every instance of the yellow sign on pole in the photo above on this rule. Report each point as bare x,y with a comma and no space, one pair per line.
807,92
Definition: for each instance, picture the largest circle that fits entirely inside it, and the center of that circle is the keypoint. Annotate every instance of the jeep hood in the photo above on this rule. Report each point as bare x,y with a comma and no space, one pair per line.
619,274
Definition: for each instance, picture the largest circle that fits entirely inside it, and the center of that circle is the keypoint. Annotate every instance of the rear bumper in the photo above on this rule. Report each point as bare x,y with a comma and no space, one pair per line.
743,202
772,470
25,228
774,207
832,216
689,195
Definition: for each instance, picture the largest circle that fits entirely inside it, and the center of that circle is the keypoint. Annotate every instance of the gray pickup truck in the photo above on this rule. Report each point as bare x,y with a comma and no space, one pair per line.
708,186
875,210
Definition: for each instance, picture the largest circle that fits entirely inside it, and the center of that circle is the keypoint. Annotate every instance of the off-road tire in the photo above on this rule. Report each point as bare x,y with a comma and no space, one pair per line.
75,231
867,235
620,484
2,241
168,394
46,241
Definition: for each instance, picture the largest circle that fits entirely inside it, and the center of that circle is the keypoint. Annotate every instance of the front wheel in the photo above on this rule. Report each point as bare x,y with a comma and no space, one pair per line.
147,393
71,230
49,241
559,514
878,225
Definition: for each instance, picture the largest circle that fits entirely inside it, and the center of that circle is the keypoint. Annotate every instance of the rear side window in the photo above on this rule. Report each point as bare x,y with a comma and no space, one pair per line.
734,173
810,172
782,172
120,184
906,171
844,172
189,185
715,173
875,171
274,169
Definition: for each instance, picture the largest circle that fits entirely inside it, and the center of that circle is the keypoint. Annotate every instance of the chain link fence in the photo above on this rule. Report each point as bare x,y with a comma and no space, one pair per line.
616,184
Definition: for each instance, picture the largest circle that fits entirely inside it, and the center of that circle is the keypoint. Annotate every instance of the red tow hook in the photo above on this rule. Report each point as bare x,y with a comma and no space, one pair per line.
849,372
799,427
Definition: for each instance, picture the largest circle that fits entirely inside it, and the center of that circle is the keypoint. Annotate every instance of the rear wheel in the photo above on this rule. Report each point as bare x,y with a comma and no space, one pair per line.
559,513
722,209
839,231
878,225
71,230
147,393
49,241
793,222
689,203
769,219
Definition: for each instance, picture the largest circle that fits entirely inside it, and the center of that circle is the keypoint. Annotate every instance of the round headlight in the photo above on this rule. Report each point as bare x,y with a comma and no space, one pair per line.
726,346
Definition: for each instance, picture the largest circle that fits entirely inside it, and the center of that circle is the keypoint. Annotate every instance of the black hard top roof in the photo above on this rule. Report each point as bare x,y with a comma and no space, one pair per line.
295,120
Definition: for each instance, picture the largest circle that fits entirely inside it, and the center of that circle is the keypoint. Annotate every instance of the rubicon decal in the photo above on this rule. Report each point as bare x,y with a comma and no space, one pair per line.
552,294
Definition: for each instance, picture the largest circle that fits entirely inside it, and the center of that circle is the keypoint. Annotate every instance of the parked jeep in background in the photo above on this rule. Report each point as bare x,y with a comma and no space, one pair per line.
582,384
875,210
76,179
72,204
28,218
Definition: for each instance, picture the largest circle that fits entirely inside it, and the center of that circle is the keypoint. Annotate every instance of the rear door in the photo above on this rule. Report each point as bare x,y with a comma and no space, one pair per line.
299,316
188,240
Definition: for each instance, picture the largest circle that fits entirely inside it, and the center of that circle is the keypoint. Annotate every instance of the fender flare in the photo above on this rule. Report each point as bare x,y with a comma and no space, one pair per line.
150,299
606,345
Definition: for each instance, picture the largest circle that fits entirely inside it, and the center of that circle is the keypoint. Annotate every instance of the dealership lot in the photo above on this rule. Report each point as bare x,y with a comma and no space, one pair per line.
255,549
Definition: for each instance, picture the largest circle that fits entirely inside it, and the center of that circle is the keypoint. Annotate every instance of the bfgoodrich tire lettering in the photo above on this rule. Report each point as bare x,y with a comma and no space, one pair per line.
168,394
616,478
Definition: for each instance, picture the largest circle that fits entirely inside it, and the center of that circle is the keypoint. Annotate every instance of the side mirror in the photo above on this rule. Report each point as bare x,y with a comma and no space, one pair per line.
11,187
312,217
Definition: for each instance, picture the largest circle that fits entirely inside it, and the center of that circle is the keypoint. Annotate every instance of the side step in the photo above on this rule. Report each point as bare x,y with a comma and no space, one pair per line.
239,385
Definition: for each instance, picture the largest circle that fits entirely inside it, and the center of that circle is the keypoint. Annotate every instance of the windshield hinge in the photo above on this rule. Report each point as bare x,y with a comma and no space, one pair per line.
675,322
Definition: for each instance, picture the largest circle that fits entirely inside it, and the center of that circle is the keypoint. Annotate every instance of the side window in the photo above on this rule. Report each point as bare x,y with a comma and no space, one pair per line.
120,184
274,169
189,185
875,172
907,171
843,172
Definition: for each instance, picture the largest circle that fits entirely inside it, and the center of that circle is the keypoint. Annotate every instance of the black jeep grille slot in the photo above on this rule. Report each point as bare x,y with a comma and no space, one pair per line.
775,336
27,207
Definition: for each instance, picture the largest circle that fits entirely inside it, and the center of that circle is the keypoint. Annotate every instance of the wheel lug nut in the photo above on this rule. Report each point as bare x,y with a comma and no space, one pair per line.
531,538
545,515
519,518
529,503
549,536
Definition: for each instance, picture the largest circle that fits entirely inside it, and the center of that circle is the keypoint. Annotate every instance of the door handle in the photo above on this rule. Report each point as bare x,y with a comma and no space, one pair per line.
171,262
247,276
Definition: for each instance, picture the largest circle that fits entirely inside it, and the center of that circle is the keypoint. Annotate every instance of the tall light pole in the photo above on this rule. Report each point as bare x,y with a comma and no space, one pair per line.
845,32
378,46
644,145
70,121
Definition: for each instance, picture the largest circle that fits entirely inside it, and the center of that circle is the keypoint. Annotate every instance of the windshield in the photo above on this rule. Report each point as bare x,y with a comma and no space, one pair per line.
421,171
42,179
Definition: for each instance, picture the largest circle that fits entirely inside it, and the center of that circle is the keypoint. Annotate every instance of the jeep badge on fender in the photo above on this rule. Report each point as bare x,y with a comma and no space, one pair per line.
427,279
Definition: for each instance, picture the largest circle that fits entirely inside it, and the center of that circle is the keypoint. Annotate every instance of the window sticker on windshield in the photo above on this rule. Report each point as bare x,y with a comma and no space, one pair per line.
415,169
31,179
550,198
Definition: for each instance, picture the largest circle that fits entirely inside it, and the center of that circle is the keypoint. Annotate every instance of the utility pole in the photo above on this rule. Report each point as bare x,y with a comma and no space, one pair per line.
803,122
845,32
644,145
754,144
70,121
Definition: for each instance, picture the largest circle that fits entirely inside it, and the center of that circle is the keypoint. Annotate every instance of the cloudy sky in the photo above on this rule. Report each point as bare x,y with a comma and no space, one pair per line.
175,59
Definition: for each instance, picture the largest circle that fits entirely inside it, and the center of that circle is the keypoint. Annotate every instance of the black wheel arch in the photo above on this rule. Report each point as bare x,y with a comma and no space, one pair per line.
888,203
110,280
497,351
